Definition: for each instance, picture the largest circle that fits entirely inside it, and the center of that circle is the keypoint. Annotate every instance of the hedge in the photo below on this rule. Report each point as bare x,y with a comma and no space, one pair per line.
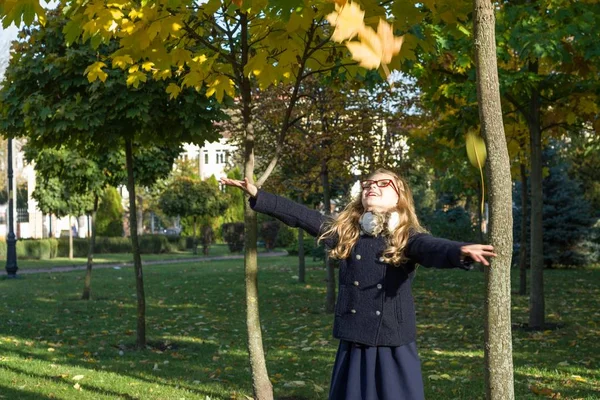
44,249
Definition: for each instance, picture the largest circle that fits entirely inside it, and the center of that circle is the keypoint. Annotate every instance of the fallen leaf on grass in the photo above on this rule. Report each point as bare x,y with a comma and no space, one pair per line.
544,392
436,377
78,377
294,384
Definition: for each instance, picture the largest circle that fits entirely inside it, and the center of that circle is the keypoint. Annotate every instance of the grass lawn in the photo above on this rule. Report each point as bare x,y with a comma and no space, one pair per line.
55,346
117,258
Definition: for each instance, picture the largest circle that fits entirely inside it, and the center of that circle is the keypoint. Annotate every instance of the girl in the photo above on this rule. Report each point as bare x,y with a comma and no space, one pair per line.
379,241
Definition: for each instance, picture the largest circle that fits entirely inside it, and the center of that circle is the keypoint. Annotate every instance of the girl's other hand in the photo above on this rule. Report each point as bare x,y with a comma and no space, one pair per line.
244,185
478,252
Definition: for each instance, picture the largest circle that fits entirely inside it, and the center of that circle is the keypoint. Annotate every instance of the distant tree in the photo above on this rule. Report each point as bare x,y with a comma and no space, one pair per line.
567,214
50,101
192,198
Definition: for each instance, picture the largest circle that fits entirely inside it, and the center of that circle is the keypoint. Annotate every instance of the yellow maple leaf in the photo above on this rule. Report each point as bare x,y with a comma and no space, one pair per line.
173,90
134,79
95,71
147,65
347,19
122,61
390,44
219,87
368,50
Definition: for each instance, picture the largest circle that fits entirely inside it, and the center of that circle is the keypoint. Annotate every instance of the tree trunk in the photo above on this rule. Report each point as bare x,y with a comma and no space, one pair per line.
523,246
140,214
301,257
536,264
70,239
263,389
137,259
330,296
87,285
498,335
195,238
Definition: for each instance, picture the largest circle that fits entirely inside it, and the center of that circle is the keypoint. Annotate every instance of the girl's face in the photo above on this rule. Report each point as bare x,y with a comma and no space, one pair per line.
379,193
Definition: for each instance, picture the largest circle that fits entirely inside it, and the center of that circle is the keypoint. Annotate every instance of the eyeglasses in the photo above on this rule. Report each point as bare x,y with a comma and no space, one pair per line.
366,184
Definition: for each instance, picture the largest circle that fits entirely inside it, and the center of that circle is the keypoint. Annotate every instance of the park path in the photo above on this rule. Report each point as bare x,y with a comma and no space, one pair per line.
144,263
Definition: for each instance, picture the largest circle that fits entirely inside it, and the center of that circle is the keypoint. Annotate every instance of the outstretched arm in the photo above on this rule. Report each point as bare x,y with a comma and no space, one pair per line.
287,211
434,252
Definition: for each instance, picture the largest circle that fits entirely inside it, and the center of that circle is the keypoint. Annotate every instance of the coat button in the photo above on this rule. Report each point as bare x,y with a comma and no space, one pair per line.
353,311
379,286
378,312
358,256
356,283
381,259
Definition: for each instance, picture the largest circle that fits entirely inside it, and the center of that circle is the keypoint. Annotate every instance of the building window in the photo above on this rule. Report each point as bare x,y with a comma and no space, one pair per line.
206,157
220,157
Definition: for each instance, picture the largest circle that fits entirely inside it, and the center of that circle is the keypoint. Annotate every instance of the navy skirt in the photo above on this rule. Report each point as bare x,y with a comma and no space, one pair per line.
363,372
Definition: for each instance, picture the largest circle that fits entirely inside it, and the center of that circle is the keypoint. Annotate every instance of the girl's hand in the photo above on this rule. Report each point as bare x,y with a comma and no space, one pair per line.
244,185
478,252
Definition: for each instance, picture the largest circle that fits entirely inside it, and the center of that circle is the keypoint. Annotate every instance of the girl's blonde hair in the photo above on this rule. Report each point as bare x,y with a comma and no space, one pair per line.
345,229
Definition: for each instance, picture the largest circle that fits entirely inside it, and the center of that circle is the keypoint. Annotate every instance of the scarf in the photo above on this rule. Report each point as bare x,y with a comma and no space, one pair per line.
374,223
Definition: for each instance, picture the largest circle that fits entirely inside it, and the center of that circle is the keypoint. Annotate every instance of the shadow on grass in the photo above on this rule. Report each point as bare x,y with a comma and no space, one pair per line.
21,394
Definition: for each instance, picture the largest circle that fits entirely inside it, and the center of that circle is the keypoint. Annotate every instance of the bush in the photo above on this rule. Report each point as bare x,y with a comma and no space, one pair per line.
310,248
154,244
38,249
80,247
207,238
233,234
112,245
454,224
2,249
287,236
109,218
268,233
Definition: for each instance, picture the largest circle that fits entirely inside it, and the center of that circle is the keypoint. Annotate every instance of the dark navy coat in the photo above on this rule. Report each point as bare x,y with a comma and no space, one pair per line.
375,305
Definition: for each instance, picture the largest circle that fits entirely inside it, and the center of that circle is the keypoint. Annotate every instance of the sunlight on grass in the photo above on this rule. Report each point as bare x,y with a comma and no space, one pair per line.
197,334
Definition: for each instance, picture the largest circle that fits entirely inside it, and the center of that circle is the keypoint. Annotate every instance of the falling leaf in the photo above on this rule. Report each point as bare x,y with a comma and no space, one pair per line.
347,19
390,44
368,51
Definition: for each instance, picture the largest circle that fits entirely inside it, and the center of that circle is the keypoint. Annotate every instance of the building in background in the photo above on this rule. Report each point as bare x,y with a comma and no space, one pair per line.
211,159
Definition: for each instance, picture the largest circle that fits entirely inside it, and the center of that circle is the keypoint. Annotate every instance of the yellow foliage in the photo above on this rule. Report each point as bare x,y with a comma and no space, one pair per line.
147,65
219,87
173,90
134,79
122,61
95,71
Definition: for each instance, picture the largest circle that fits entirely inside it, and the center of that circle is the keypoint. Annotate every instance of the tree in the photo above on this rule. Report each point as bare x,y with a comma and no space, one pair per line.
547,64
567,214
498,336
49,100
63,183
193,198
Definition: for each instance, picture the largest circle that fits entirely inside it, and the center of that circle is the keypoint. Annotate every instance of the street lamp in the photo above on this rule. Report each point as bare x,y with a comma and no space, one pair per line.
11,240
